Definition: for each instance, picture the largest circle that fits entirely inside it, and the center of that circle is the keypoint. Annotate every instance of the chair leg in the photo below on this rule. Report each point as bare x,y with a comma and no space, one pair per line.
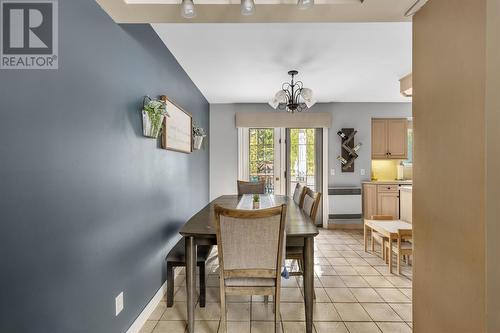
373,243
223,319
300,263
276,310
399,262
383,249
203,289
170,285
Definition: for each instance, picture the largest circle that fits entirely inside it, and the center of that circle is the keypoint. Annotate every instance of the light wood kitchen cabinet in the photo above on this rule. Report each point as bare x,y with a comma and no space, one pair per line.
380,200
389,138
388,204
379,139
369,200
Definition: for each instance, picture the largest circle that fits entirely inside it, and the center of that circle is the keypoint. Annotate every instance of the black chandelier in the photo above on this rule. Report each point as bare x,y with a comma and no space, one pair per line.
293,97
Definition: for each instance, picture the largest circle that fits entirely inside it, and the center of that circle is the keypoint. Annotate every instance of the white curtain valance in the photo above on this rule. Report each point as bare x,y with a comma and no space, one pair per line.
284,119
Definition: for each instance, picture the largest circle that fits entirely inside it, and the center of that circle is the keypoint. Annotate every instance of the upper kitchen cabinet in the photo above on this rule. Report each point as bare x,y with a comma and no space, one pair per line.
390,138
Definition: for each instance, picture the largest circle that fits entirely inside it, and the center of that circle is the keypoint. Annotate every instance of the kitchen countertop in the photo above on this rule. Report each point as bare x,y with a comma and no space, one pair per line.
385,182
406,188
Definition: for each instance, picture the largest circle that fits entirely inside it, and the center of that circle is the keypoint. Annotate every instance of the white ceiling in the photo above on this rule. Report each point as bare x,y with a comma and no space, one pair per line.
247,63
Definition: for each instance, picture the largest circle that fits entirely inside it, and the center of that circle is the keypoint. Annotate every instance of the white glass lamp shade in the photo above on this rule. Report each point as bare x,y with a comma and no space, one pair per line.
305,4
247,7
279,97
187,9
307,96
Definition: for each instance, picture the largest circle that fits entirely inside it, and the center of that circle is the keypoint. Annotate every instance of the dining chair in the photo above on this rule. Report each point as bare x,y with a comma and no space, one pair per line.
250,249
299,194
402,247
294,251
310,203
251,187
377,237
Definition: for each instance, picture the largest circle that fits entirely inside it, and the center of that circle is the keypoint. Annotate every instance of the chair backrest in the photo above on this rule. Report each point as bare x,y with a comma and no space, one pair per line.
250,242
311,203
382,217
298,194
251,187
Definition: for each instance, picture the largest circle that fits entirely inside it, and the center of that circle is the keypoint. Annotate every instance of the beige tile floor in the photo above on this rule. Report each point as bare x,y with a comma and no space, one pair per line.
354,294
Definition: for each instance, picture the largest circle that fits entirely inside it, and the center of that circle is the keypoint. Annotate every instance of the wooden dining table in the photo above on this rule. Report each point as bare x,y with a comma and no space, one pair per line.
387,228
200,230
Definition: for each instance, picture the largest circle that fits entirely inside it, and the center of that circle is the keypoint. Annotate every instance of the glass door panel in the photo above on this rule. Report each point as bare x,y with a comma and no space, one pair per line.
262,157
302,158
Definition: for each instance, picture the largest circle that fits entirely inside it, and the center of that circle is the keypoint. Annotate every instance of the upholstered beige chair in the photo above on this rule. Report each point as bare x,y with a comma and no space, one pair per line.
310,203
298,194
250,249
251,187
376,237
401,248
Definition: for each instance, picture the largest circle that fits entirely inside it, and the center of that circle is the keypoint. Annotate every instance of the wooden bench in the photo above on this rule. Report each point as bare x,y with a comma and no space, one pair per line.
176,258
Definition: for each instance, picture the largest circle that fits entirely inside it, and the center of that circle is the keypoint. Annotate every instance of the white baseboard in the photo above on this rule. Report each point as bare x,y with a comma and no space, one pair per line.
148,310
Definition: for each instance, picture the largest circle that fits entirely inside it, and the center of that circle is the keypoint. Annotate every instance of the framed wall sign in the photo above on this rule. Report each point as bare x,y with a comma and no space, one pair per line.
177,134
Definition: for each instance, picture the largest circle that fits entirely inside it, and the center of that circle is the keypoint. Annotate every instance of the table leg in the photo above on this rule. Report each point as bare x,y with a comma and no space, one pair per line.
190,281
309,281
389,253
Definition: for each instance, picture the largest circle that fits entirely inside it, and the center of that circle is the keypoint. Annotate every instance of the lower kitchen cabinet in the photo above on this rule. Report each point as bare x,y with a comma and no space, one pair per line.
380,200
388,204
369,200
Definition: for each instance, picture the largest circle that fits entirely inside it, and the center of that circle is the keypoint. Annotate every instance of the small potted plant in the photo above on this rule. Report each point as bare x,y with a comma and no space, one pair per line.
154,112
256,201
198,135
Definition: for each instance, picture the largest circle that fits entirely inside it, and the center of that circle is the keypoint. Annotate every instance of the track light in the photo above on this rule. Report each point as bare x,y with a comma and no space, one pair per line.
247,7
305,4
187,9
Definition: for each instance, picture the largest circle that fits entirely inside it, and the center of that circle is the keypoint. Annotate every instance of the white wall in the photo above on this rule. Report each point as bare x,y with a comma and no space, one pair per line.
224,139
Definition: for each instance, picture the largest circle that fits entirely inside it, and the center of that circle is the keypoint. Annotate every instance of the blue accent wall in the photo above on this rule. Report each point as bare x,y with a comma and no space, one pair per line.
89,207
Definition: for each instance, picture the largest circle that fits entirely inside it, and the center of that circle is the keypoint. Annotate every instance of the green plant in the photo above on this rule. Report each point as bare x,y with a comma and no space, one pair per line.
155,110
256,198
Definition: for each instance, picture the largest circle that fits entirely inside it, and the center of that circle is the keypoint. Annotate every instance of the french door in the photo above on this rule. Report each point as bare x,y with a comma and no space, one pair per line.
261,157
280,157
283,157
302,158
